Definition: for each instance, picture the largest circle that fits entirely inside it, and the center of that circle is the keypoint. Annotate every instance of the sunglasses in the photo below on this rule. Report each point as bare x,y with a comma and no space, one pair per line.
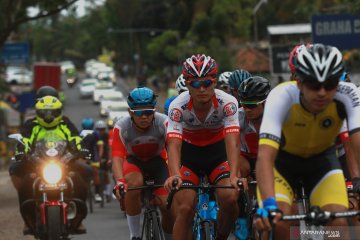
201,83
146,112
251,105
328,85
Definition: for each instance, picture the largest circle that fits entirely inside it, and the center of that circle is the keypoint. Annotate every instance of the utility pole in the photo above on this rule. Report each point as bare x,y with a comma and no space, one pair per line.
255,10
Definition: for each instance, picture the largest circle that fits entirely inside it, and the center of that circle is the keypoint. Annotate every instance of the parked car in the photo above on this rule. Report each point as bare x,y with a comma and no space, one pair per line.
18,75
102,89
115,98
87,87
118,112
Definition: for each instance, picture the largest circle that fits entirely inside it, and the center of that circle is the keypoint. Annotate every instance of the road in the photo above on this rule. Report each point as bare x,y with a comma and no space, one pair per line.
107,223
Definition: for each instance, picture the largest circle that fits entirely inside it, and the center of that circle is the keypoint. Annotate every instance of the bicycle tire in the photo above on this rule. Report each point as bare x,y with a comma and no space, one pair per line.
205,231
156,227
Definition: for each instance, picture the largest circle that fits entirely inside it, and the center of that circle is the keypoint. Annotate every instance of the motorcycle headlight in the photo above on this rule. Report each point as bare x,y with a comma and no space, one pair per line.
52,173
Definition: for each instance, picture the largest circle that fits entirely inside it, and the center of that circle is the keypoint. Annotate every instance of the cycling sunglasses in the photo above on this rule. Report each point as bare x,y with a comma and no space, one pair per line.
251,105
146,112
328,85
201,83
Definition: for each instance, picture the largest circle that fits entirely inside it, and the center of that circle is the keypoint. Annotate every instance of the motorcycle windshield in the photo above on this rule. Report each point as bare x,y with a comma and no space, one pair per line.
50,145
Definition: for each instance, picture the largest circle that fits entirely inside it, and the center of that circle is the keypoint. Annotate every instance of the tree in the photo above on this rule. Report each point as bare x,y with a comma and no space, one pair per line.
14,13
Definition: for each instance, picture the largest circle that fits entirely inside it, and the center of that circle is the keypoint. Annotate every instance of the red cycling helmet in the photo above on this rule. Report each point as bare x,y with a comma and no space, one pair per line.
293,55
199,65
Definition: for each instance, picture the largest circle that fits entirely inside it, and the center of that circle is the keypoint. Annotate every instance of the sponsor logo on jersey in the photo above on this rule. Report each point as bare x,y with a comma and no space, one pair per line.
187,173
326,122
175,115
230,109
352,93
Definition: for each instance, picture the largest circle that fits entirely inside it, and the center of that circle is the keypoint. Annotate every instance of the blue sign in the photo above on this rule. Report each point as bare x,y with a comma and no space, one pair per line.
26,100
341,31
15,53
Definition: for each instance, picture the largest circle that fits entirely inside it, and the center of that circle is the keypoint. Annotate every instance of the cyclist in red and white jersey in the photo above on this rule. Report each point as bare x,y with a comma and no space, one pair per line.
203,133
138,151
252,95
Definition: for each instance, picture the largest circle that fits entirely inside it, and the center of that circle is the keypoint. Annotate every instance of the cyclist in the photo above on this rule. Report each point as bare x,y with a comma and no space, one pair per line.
202,134
96,147
235,79
48,118
101,128
301,120
223,82
138,152
180,88
252,95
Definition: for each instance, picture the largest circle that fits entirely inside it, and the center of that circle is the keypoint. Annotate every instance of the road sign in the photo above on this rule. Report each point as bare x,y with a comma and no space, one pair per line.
15,53
341,31
280,58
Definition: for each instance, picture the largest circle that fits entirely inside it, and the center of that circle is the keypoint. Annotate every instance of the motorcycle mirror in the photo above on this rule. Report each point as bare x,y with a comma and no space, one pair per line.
85,132
18,137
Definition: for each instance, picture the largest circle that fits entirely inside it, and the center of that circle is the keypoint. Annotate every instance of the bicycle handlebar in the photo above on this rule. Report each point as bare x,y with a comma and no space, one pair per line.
201,186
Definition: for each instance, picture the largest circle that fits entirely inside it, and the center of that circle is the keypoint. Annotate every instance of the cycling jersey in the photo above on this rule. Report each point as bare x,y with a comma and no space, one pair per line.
249,137
127,140
223,118
167,104
288,126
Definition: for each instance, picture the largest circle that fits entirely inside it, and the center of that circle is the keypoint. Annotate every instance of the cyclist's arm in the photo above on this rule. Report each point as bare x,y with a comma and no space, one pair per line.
352,164
118,155
354,160
264,170
174,155
100,148
232,151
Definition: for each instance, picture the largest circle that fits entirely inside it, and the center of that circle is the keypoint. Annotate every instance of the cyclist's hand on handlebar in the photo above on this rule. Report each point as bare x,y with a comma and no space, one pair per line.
120,188
169,182
239,183
267,216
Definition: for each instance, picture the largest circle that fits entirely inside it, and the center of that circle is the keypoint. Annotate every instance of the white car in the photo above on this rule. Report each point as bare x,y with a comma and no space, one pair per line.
118,112
111,101
102,89
18,75
66,65
106,74
87,87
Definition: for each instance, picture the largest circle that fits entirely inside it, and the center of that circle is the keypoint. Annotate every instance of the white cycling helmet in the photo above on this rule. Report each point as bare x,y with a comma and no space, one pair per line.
224,78
100,124
180,84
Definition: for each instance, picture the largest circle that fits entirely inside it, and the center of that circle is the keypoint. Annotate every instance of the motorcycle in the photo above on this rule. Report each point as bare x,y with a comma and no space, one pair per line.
71,81
55,211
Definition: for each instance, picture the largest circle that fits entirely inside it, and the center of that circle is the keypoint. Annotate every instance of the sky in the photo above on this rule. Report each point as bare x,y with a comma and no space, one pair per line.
81,7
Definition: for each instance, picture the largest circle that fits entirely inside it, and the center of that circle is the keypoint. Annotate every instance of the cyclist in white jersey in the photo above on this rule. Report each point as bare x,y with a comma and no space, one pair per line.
202,134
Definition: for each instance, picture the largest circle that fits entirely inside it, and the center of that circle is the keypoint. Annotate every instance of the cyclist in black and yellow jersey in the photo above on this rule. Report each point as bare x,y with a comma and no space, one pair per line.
297,138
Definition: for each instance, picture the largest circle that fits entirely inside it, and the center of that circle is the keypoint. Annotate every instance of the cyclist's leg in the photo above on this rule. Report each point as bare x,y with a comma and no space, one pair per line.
284,198
227,200
330,194
184,206
133,178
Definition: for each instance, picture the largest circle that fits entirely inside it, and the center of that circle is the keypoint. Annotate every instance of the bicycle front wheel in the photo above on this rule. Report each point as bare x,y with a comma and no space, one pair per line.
156,229
205,231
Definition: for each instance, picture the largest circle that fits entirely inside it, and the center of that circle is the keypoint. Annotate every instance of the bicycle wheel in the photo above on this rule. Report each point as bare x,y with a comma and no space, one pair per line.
205,231
102,187
156,227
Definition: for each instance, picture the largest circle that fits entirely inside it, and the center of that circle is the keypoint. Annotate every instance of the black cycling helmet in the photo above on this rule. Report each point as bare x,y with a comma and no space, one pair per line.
319,63
237,77
254,89
46,91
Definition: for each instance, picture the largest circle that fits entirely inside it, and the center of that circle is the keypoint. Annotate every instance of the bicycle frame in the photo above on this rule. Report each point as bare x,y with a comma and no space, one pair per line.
206,211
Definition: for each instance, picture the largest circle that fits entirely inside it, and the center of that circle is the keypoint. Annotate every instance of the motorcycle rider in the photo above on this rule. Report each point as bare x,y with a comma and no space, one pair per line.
48,118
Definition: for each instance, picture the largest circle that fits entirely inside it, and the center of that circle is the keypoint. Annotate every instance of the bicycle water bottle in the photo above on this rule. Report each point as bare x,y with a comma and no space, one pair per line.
213,208
241,229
